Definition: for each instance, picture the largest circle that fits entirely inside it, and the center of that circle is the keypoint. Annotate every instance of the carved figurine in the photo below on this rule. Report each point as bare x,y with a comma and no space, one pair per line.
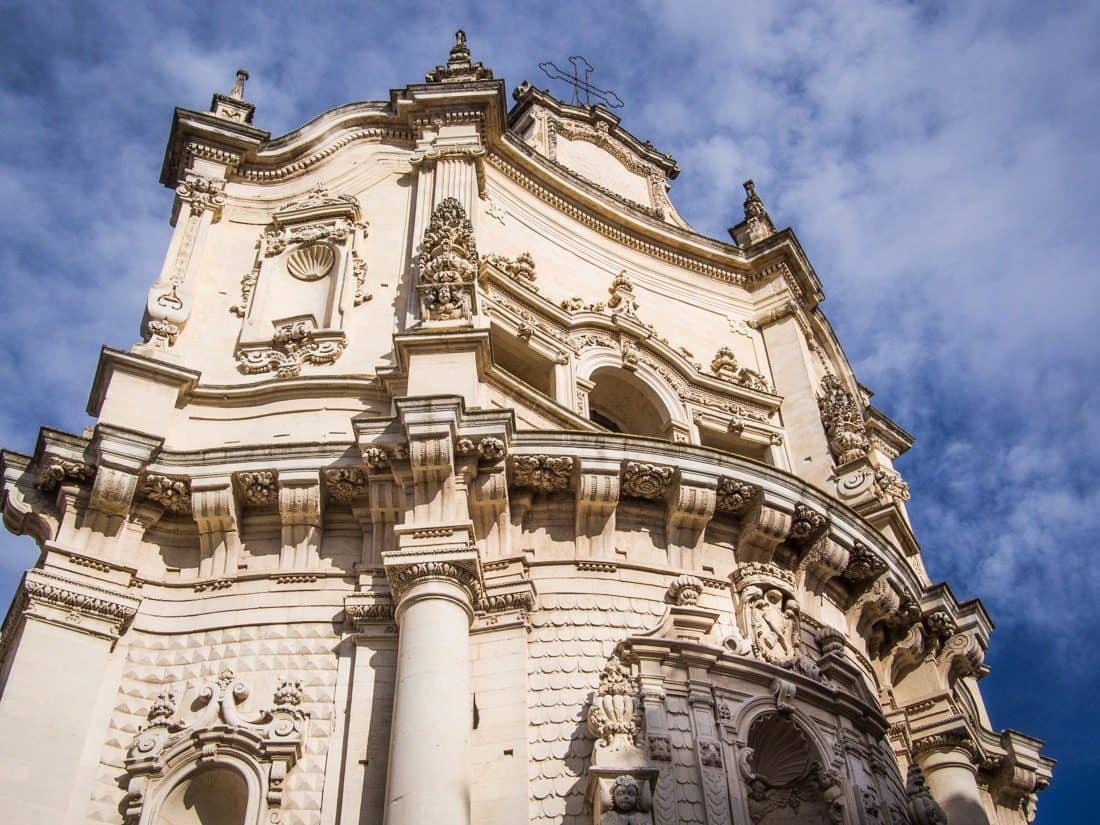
629,803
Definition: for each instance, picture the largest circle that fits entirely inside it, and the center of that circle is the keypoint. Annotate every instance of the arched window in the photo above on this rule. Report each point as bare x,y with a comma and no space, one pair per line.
622,402
212,795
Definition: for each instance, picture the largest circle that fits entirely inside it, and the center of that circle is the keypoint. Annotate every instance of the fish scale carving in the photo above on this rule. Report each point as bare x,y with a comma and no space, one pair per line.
572,637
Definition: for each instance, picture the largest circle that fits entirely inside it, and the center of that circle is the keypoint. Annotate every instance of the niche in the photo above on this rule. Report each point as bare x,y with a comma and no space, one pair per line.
214,795
307,276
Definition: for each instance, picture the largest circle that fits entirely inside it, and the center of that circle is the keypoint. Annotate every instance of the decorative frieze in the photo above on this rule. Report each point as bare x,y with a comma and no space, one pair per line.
56,598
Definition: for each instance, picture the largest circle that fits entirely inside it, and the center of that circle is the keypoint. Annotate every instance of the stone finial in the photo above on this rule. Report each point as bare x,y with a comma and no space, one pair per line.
238,85
460,68
759,223
233,105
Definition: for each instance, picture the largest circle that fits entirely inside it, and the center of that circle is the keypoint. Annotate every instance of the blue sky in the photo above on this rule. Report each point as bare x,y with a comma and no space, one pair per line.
938,161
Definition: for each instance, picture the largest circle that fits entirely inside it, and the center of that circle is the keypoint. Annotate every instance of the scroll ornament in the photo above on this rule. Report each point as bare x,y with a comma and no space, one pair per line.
274,740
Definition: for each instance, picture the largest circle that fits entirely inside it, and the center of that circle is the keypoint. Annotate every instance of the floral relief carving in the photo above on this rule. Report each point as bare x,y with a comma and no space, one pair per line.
889,486
615,716
648,481
448,265
201,193
685,590
57,470
542,473
807,524
259,487
864,565
843,421
173,494
735,496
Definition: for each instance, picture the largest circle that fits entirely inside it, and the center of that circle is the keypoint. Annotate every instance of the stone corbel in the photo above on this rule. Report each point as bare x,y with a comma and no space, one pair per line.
365,612
597,500
824,560
691,505
216,511
387,508
762,530
488,502
121,456
300,511
1022,772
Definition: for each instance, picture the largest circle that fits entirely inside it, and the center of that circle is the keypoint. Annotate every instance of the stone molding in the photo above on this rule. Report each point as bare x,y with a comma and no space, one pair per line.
74,603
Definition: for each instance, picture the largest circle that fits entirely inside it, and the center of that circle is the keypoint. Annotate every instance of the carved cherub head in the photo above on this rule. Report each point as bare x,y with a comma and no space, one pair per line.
624,795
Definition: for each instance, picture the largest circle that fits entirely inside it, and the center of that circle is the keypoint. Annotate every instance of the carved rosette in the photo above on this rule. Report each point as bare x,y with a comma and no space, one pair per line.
490,449
346,484
448,265
646,481
542,473
843,421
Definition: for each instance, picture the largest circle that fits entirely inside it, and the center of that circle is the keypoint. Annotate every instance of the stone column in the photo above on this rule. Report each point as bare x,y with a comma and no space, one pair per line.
948,764
429,765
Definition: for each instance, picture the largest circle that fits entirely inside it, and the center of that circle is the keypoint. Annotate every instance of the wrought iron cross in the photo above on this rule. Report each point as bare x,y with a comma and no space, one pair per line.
581,86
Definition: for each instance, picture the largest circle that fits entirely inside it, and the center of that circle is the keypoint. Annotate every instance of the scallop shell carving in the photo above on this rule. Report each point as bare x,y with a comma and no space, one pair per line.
781,753
311,262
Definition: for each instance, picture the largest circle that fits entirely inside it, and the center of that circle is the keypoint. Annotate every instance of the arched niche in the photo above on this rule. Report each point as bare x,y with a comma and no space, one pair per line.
210,794
786,778
635,401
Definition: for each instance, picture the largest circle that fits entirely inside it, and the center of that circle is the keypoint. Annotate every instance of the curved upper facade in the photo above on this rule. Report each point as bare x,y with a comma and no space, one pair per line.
456,478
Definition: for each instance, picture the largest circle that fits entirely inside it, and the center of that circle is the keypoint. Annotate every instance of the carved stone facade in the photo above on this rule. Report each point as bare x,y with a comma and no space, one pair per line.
388,529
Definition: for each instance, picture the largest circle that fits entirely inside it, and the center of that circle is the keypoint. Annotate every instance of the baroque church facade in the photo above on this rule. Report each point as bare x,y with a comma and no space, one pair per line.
456,479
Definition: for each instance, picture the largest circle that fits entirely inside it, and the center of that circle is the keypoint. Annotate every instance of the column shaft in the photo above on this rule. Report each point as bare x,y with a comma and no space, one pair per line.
429,768
952,778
